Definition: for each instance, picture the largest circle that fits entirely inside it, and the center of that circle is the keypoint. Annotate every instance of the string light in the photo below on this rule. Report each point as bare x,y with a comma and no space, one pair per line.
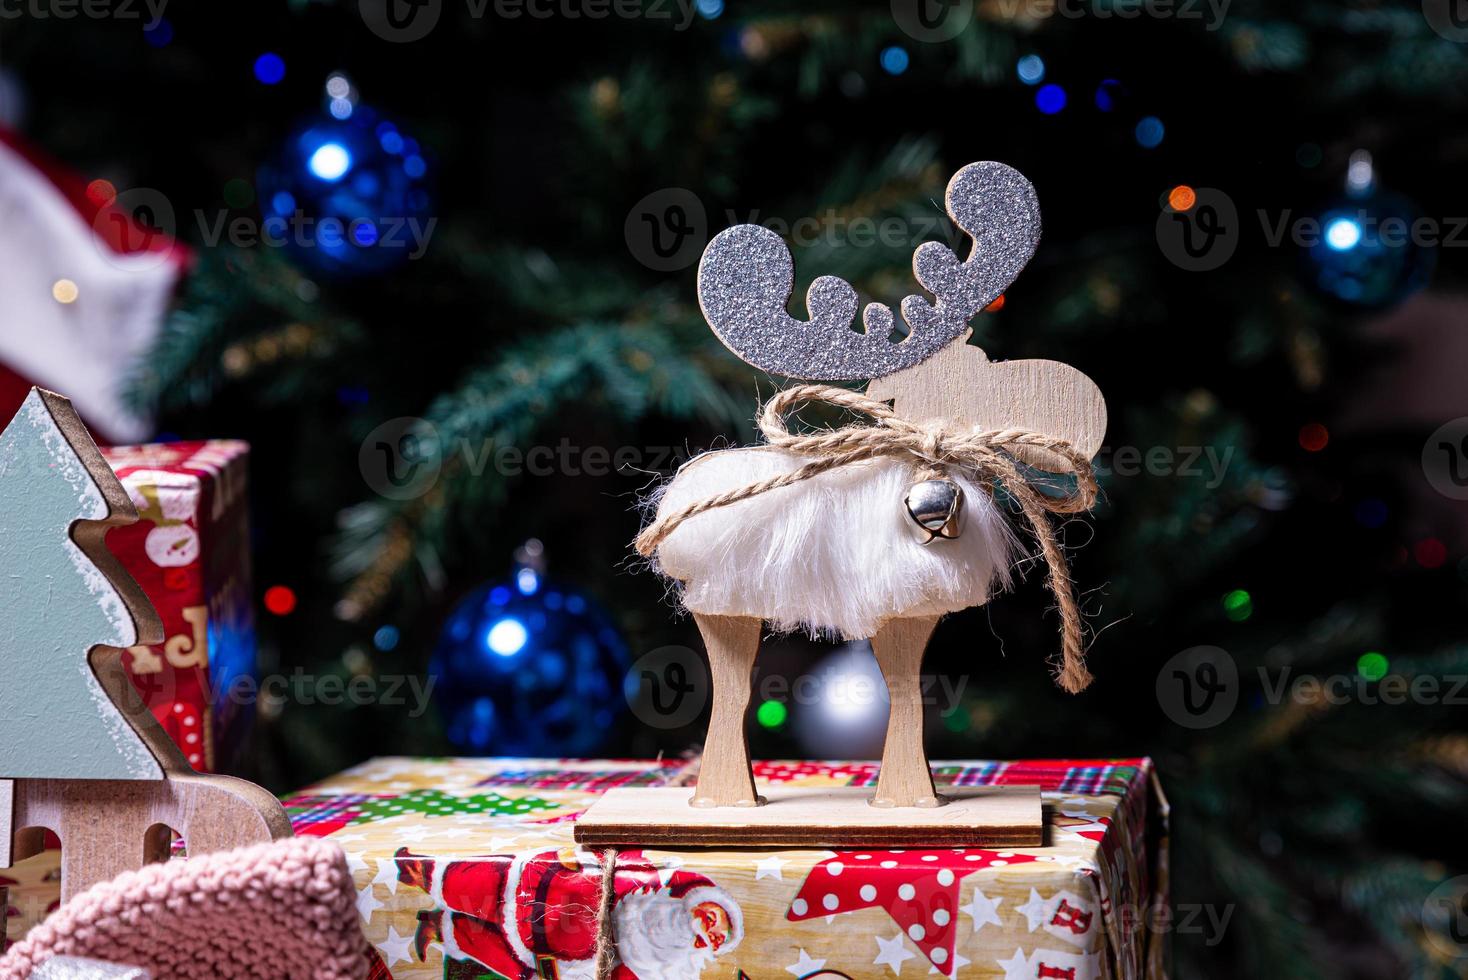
1314,437
772,714
1050,99
159,33
64,291
1430,553
1372,665
1182,198
1238,605
101,193
1149,132
280,600
269,68
1030,69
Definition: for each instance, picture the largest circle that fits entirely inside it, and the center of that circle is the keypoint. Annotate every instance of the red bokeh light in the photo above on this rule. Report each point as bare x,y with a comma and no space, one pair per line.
1314,437
1430,553
280,600
101,193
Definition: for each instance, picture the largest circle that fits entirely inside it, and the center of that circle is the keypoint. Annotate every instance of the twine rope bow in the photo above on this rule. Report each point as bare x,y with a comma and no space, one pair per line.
986,453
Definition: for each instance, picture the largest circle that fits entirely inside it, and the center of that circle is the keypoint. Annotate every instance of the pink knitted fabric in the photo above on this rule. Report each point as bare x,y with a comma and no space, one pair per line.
285,909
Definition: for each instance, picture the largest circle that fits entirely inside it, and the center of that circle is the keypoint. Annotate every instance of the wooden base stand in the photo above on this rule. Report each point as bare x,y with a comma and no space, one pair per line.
987,816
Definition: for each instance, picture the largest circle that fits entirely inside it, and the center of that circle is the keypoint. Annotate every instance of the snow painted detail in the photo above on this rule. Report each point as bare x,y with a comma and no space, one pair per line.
55,606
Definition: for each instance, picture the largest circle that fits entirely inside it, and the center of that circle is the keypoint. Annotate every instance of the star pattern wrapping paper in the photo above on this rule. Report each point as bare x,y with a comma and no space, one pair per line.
467,869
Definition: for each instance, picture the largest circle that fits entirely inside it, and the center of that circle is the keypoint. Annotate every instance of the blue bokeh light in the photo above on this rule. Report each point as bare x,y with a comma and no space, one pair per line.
527,581
159,33
894,60
1149,132
330,162
270,68
1343,234
1050,99
507,637
1030,69
386,638
710,9
1107,94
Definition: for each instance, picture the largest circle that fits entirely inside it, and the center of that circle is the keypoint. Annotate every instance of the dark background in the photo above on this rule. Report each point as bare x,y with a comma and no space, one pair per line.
531,319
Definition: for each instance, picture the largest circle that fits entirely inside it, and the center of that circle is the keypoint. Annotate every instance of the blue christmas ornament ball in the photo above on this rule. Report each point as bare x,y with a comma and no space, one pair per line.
349,194
1372,251
524,668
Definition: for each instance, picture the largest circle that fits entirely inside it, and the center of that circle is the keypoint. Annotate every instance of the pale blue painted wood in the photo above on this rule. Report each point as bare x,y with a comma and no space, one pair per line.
56,721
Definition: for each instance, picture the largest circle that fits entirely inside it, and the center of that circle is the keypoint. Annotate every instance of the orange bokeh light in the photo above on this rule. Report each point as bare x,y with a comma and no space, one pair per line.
996,305
1182,197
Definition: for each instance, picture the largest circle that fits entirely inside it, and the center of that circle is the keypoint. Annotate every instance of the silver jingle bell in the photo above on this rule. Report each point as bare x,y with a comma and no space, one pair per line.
936,509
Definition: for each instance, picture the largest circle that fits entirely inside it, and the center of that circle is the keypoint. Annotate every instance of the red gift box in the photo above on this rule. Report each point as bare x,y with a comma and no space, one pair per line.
190,553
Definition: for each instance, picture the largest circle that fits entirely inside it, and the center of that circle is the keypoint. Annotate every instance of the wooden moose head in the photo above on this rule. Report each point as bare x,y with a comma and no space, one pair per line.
81,755
835,553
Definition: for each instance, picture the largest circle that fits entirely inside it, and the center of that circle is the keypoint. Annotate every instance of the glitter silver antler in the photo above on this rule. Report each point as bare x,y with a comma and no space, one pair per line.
747,275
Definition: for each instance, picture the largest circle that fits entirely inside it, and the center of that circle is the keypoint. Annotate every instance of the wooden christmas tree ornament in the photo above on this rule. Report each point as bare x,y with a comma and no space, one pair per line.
874,530
82,755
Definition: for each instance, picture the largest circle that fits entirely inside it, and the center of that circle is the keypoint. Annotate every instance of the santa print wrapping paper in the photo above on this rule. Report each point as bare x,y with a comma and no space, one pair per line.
189,551
466,870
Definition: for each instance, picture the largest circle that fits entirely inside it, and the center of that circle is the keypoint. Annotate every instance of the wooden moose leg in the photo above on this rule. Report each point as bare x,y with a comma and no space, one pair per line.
905,779
724,776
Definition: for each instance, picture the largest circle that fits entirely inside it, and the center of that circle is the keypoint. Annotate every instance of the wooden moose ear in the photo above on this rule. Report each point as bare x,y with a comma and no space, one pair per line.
82,754
960,384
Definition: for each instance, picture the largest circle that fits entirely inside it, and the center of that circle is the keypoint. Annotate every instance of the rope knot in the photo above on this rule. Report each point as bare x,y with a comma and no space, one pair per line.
987,454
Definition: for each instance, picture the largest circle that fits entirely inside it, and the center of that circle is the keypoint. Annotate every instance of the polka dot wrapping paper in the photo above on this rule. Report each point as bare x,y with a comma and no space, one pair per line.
467,868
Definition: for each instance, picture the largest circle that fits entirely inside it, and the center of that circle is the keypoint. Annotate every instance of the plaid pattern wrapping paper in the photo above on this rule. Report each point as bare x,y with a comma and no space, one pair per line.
466,870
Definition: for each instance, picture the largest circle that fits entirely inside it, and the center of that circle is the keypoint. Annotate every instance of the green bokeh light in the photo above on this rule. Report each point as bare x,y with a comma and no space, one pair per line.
1238,605
771,714
1372,666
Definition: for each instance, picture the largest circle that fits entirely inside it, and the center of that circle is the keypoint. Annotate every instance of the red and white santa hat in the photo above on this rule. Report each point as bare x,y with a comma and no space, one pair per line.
84,287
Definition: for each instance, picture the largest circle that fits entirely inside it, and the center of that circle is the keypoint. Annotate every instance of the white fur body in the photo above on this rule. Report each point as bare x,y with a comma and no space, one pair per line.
832,554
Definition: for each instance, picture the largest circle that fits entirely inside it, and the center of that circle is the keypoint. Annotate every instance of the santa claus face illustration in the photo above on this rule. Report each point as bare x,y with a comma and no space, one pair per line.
711,923
676,930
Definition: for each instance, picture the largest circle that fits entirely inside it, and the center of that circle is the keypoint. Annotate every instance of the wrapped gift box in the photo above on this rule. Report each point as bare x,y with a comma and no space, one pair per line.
466,868
190,553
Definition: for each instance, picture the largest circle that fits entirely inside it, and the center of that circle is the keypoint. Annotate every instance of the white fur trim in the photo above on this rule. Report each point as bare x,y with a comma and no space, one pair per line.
831,554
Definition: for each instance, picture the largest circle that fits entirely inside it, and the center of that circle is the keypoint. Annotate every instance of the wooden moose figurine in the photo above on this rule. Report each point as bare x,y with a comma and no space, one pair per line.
82,756
873,530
